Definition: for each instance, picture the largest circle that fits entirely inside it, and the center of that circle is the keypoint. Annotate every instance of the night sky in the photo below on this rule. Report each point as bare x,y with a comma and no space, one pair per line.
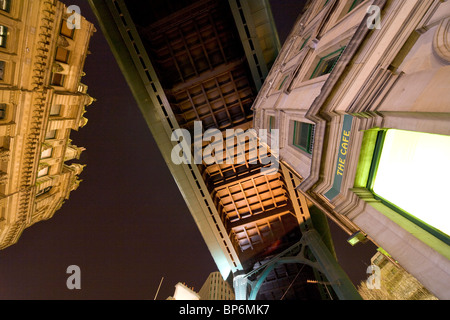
127,225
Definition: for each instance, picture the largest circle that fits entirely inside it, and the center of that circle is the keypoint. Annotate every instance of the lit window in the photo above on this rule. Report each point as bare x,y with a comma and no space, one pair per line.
43,172
62,55
65,31
327,63
50,135
3,111
46,153
410,174
3,36
5,5
303,136
55,110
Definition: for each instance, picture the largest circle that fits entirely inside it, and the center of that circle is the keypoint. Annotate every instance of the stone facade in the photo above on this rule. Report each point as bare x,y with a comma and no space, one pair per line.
41,100
339,83
394,283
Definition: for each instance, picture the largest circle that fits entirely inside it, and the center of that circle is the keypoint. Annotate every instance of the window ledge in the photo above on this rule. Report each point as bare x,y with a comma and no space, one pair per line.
309,82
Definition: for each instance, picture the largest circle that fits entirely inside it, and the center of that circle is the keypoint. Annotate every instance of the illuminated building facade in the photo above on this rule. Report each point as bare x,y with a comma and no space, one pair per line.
41,101
363,109
394,283
216,288
189,62
183,292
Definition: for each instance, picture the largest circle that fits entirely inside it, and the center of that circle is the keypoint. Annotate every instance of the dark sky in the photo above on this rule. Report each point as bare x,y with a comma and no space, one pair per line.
127,225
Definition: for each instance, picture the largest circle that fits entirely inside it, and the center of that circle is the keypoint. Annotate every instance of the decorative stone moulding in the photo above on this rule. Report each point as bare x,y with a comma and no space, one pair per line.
62,42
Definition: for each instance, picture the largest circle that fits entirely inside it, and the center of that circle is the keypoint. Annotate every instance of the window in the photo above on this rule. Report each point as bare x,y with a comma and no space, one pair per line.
62,55
355,4
3,36
44,191
3,111
305,42
55,110
47,153
65,31
43,172
58,79
50,135
282,82
304,136
271,123
5,5
409,173
327,63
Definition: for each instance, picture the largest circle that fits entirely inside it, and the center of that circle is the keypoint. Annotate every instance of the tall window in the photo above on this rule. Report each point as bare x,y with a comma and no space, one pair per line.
410,173
271,123
282,82
327,63
3,36
303,136
5,5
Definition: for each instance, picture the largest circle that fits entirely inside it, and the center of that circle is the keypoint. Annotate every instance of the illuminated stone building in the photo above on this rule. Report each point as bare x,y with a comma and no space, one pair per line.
216,288
394,283
183,292
203,62
41,101
363,109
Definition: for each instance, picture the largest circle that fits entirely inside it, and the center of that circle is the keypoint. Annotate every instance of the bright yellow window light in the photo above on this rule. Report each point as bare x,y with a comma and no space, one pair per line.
414,175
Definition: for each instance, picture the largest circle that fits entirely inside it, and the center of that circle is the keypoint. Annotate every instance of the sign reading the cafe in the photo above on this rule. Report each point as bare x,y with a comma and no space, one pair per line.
344,144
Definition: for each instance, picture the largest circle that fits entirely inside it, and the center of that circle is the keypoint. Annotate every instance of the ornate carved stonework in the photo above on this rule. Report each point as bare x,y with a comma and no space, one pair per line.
62,42
36,194
4,154
57,68
3,178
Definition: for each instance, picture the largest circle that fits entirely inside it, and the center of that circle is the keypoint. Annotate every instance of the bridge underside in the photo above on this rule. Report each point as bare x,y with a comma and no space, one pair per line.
185,63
